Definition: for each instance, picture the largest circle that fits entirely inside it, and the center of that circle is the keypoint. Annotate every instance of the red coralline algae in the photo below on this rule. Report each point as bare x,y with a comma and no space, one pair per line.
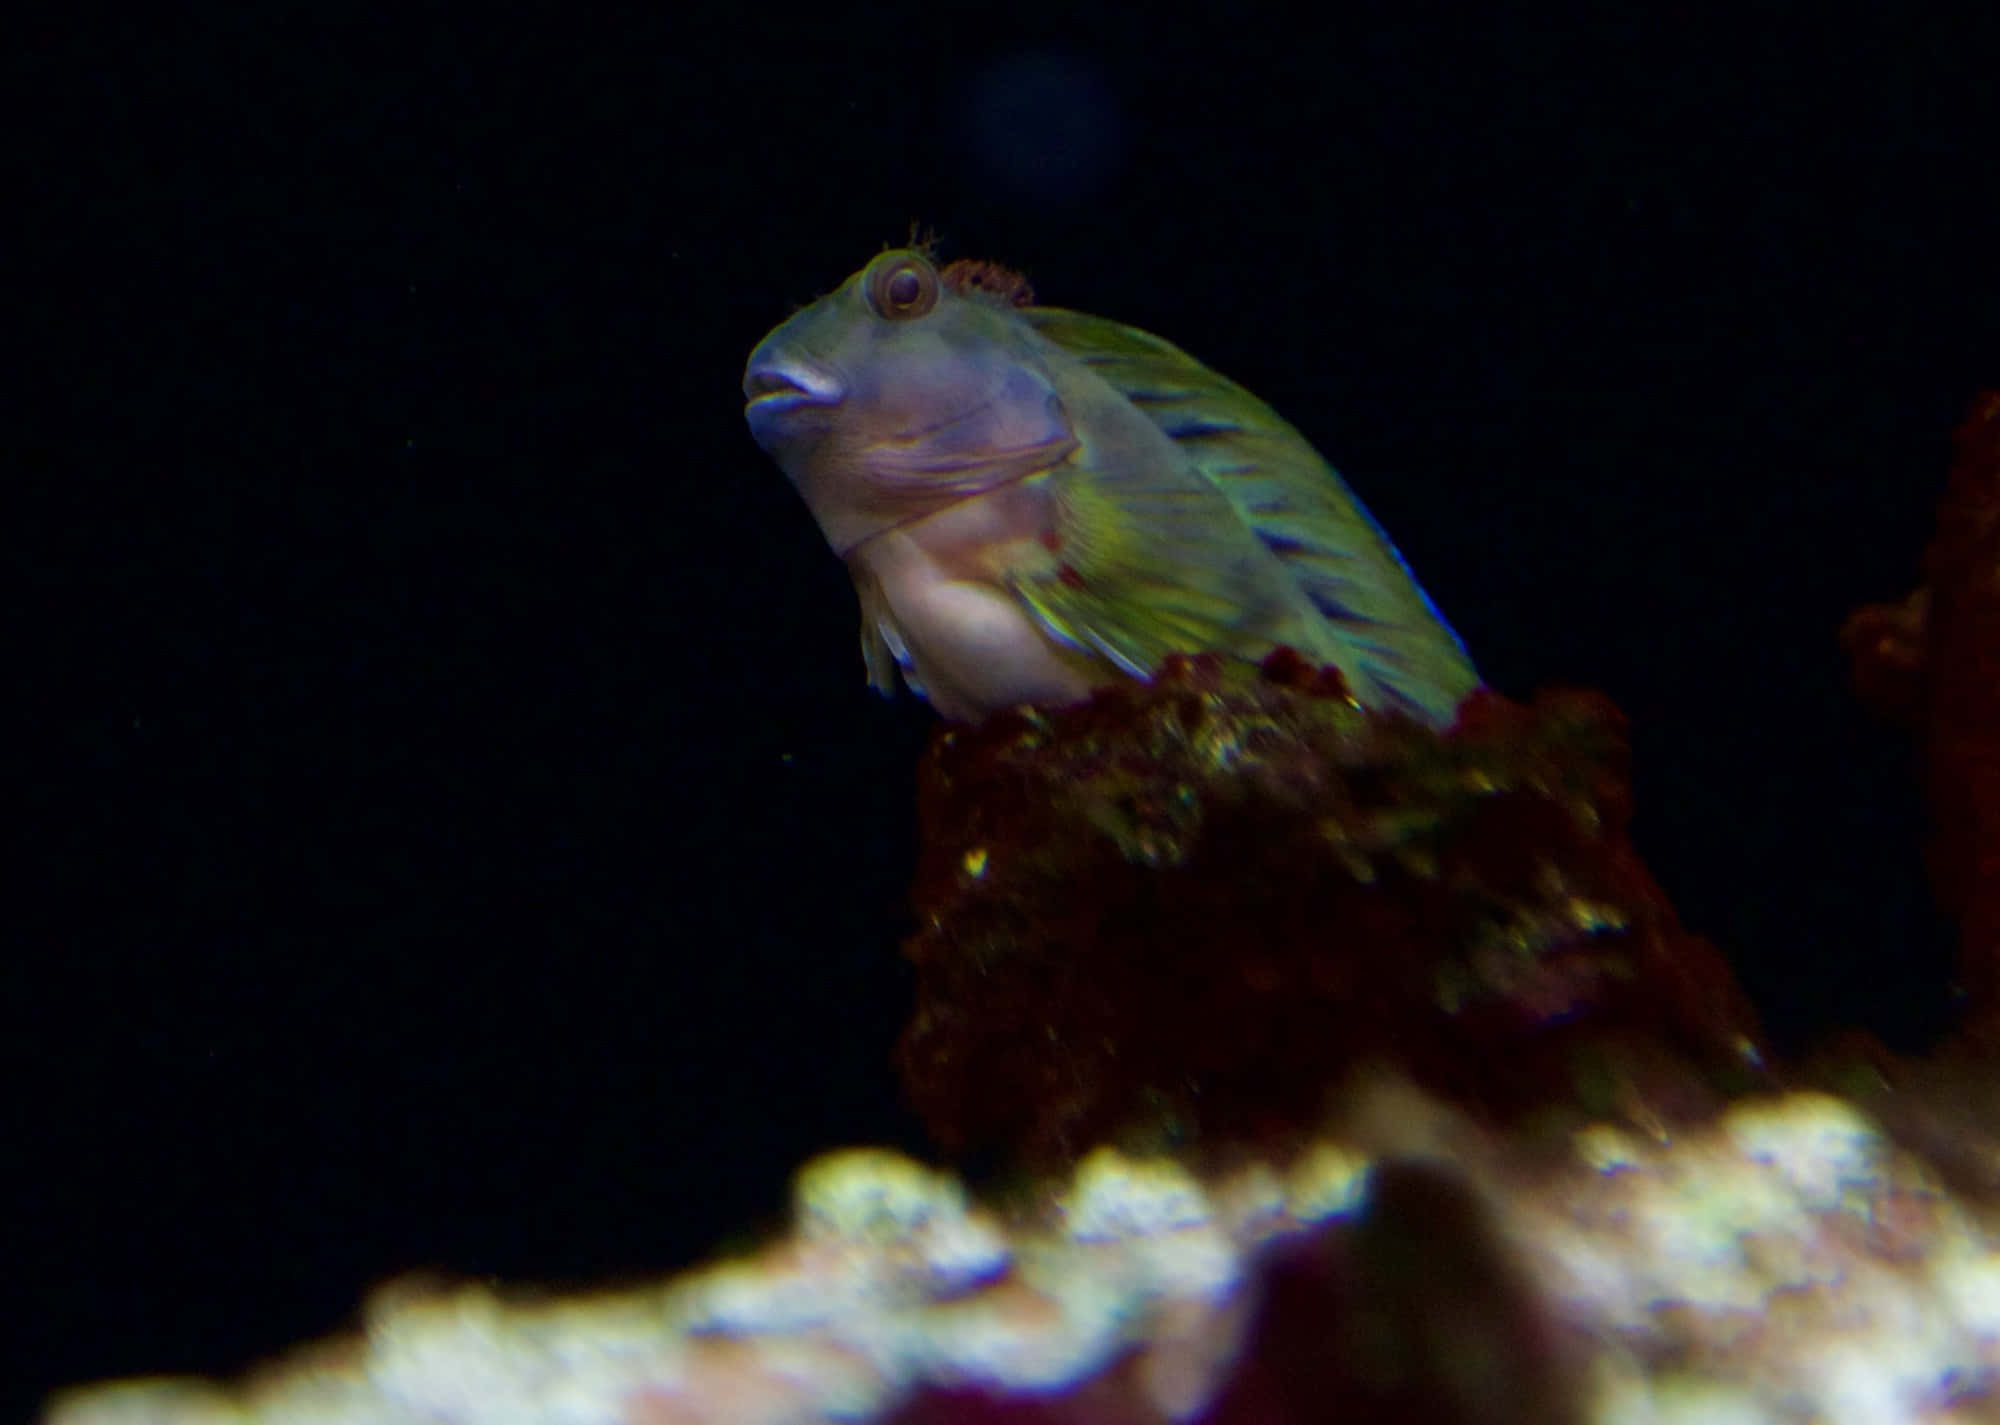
1181,912
1933,662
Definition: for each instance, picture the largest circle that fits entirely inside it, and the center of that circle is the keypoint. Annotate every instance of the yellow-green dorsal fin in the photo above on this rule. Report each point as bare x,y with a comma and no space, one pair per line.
1397,646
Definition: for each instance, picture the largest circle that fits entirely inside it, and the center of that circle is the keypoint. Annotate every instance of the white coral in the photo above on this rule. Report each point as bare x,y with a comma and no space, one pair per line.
1786,1263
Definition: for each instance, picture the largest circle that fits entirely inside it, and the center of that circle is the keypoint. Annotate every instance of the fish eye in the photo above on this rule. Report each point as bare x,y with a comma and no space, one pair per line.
903,286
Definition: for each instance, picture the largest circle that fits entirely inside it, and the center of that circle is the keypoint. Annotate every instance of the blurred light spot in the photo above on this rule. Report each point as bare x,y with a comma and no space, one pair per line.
1045,126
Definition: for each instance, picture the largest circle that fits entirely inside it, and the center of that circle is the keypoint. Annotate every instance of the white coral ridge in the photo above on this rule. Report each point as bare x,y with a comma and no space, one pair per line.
1784,1264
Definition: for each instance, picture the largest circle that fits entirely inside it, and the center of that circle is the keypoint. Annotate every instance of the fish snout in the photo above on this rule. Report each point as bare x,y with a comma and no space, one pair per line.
776,383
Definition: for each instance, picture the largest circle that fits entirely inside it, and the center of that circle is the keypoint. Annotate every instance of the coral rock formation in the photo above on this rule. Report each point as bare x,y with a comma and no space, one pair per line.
1784,1262
1933,662
1183,909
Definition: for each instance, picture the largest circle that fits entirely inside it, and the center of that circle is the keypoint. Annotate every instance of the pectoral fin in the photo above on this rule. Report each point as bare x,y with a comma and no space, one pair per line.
883,650
1140,566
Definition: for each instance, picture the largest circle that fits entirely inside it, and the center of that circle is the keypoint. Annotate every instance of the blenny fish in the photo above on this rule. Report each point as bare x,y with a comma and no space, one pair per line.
1034,502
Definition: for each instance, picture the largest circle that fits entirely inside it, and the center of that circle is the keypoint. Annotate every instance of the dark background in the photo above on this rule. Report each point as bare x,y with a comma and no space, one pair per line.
457,833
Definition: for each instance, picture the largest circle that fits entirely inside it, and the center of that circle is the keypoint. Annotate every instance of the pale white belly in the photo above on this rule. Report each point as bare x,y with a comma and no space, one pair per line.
966,639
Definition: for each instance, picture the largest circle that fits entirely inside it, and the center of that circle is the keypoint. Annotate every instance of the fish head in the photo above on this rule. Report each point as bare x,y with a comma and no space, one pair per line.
901,393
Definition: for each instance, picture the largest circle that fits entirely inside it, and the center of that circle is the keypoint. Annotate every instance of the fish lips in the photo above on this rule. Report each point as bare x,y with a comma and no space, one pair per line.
787,396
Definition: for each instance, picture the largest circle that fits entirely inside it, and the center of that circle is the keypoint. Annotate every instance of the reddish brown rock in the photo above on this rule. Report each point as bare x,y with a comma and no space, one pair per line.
1182,911
1933,662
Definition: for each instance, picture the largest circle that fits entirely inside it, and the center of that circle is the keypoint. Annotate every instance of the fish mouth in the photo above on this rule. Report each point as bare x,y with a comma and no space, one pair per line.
774,384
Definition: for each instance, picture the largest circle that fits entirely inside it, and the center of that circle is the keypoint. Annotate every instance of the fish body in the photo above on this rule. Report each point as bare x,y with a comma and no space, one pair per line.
1034,502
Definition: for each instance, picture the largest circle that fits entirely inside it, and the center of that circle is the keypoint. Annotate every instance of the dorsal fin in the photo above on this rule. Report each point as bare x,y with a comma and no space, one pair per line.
1294,501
